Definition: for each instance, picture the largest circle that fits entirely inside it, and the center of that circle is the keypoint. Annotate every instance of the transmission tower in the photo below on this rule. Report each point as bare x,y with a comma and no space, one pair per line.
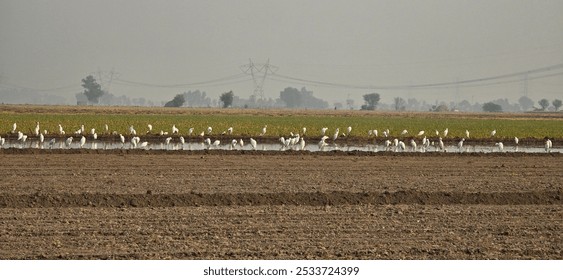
259,72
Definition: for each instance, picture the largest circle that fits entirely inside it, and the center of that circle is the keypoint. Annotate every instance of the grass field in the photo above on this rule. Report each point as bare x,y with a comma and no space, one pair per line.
249,122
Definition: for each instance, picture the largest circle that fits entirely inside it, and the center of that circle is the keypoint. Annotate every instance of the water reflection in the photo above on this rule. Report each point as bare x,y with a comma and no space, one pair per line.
313,147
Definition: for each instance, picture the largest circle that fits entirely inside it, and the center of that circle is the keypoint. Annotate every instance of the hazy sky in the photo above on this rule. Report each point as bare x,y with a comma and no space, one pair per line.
53,44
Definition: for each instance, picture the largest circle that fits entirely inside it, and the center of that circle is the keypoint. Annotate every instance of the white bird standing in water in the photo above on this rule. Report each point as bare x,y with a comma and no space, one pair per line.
253,143
500,146
122,139
82,141
216,143
68,142
302,144
241,143
441,144
52,143
548,144
413,145
460,145
516,140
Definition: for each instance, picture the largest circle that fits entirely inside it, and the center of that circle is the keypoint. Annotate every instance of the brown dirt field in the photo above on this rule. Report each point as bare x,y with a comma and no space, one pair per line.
82,204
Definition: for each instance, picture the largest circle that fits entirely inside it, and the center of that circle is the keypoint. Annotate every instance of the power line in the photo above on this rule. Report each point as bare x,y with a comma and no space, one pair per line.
258,72
223,80
465,83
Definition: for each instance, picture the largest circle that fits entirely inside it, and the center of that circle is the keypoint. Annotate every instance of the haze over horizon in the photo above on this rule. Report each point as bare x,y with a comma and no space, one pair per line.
157,49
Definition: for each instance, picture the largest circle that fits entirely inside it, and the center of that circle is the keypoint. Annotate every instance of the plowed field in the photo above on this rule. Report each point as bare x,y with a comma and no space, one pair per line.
85,204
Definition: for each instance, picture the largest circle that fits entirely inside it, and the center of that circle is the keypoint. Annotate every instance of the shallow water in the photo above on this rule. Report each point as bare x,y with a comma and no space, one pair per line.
194,146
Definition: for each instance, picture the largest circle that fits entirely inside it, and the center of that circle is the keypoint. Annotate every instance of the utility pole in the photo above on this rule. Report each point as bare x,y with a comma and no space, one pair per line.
259,72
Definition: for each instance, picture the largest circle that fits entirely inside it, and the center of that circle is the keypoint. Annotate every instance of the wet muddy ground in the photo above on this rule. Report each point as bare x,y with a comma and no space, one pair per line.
136,204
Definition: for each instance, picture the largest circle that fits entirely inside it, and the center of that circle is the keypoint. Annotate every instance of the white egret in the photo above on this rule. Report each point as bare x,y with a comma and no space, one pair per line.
190,131
264,130
253,143
437,133
460,145
92,131
446,132
216,143
234,143
95,136
500,146
14,127
387,144
61,131
548,144
441,144
2,141
182,140
375,132
68,141
304,130
230,130
420,133
106,127
82,141
404,132
20,135
241,143
209,130
302,144
144,144
385,133
207,142
413,145
122,139
36,130
516,140
41,138
323,130
402,145
335,136
175,130
167,142
149,126
133,142
202,134
466,133
493,133
348,130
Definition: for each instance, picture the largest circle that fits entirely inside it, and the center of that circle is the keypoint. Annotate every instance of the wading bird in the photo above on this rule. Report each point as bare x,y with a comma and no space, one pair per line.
460,145
253,143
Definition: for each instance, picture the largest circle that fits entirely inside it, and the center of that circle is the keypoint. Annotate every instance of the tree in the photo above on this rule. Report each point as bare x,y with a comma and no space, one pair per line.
492,107
291,97
400,104
525,103
178,101
227,99
440,108
92,90
371,101
557,104
544,103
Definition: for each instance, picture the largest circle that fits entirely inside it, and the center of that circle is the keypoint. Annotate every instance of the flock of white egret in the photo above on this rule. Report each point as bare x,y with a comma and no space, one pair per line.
295,141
